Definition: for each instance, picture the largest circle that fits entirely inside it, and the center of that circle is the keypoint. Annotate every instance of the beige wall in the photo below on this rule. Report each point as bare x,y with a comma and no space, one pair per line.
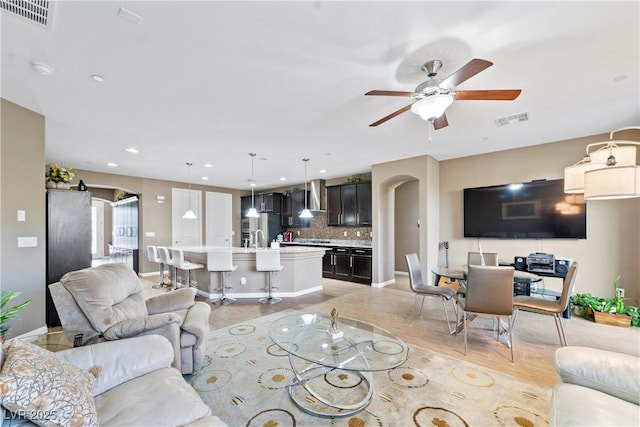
406,223
386,177
156,217
22,187
612,246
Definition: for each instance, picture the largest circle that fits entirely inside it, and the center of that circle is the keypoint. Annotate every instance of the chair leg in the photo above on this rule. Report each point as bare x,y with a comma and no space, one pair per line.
161,284
422,305
452,331
560,328
514,316
464,325
510,339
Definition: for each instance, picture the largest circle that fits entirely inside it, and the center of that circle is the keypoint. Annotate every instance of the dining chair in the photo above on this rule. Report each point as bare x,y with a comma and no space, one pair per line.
482,258
421,289
553,307
489,293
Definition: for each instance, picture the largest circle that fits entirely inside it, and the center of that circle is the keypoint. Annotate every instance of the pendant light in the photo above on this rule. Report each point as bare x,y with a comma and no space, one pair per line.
252,212
189,214
306,213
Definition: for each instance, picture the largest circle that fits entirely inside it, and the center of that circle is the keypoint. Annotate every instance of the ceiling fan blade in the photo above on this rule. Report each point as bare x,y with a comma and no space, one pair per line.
391,116
487,95
467,71
440,122
389,93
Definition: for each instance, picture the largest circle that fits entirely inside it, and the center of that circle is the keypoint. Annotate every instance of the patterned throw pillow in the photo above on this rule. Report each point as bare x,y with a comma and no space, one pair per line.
46,389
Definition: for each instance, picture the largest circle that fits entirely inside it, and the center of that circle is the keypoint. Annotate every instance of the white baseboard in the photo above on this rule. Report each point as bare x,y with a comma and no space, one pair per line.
247,295
383,284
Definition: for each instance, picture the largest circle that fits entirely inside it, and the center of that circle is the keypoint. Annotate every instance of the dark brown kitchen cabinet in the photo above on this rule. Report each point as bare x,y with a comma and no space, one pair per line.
349,205
292,205
337,264
361,265
269,202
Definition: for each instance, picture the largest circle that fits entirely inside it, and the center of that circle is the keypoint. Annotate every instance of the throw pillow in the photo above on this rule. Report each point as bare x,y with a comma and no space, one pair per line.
46,389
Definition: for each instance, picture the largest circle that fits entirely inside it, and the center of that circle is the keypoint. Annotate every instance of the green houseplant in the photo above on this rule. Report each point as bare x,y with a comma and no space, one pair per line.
610,310
8,313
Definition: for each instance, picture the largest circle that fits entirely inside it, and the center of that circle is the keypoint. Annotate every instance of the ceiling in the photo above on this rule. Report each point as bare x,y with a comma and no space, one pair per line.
210,82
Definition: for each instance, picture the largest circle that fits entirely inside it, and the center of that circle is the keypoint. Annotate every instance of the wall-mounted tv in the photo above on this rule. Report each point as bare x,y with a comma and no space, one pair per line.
532,210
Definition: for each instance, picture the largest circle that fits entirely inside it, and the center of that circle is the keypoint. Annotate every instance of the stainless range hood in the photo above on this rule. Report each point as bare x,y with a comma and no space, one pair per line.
318,195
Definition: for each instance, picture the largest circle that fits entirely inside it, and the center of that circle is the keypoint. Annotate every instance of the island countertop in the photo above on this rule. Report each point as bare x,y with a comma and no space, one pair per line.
301,272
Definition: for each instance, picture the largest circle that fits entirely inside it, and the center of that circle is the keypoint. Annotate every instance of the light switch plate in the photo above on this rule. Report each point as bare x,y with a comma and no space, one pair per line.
150,234
27,242
22,216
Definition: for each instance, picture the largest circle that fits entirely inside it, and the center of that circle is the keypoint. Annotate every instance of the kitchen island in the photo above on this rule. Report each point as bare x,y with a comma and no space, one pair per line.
301,273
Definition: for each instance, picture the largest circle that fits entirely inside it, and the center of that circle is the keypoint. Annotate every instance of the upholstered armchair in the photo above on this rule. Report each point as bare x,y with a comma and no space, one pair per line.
108,301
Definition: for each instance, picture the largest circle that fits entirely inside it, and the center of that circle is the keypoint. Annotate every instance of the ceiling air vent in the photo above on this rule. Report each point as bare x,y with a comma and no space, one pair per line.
37,11
510,120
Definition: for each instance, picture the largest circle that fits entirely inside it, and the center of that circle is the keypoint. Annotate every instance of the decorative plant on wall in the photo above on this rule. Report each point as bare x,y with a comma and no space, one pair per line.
8,313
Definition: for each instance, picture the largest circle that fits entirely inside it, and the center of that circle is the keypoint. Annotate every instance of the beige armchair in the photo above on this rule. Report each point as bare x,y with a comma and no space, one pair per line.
107,300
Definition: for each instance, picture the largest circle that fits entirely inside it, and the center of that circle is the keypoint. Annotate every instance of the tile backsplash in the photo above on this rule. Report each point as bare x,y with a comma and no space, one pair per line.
318,229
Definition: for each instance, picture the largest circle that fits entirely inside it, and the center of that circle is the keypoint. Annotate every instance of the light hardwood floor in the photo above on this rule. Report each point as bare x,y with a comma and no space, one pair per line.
535,337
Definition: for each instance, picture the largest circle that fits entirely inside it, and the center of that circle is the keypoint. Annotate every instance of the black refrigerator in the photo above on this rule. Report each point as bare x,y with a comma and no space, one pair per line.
68,239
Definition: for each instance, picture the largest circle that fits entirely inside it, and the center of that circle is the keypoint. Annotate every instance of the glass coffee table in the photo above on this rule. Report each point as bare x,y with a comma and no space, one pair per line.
335,372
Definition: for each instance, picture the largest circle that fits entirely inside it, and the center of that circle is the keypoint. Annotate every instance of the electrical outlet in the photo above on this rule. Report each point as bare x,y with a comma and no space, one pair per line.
357,234
621,291
345,234
243,280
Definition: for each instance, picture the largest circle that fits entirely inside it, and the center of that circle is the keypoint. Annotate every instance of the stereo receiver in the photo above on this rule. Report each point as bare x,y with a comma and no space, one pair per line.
541,263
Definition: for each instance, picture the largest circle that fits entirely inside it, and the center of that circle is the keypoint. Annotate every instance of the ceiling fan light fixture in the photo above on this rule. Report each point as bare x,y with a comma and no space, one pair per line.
432,107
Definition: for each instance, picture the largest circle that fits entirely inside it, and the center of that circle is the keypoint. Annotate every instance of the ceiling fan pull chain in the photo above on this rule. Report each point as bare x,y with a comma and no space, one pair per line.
430,126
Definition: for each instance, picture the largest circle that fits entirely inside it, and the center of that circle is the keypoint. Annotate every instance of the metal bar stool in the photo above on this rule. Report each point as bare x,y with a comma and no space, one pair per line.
165,257
152,256
221,262
177,258
269,260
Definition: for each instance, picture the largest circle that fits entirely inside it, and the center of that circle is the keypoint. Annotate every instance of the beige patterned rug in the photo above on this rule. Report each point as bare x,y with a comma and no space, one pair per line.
245,378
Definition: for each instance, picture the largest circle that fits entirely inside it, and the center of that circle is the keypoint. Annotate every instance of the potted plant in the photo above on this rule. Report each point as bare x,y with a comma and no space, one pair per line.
8,313
612,311
59,176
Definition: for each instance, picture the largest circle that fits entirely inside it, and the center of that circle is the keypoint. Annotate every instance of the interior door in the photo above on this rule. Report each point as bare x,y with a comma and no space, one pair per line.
219,228
186,232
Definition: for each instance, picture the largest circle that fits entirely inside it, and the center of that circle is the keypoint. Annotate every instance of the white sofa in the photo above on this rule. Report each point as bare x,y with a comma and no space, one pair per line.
136,386
595,388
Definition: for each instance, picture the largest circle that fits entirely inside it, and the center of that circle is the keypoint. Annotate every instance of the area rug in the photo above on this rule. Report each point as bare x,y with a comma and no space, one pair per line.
245,376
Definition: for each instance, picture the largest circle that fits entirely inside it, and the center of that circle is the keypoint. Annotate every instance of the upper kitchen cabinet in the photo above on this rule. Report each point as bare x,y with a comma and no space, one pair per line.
349,204
270,202
292,205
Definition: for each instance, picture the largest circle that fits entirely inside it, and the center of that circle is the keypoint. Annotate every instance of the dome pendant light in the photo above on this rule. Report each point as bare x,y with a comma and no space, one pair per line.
252,212
189,214
306,213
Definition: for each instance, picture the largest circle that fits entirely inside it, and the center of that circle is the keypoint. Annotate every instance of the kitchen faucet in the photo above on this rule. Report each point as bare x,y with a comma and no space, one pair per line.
261,232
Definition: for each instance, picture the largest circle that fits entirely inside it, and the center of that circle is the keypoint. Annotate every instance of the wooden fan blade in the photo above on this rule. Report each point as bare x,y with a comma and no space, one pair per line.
389,93
487,95
467,71
441,122
391,116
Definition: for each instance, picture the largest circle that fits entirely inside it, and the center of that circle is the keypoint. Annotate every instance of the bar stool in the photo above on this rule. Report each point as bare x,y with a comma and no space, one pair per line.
152,256
221,262
165,258
269,260
177,258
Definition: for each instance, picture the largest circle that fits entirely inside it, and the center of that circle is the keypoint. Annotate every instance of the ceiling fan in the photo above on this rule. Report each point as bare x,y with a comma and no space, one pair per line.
434,96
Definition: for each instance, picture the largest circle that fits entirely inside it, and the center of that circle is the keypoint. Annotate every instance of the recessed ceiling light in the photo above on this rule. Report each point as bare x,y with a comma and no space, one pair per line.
253,184
283,179
43,69
127,15
620,78
97,78
208,165
205,178
113,165
131,150
323,171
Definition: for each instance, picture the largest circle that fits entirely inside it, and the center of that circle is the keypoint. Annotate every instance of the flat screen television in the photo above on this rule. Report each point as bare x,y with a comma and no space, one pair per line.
532,210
